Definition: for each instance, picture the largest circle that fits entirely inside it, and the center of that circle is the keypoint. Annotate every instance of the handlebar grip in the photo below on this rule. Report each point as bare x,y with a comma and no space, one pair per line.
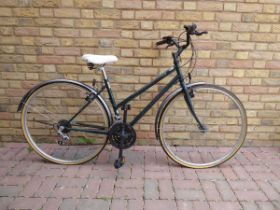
161,42
201,33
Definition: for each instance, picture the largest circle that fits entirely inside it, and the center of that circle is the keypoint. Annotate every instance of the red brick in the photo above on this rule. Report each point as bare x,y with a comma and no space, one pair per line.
107,33
15,92
107,13
129,183
205,63
251,195
210,6
137,172
235,17
50,59
31,187
46,187
197,205
67,12
255,89
190,195
52,204
91,189
205,45
66,192
27,203
169,5
241,173
225,205
185,205
241,64
186,184
68,51
88,3
238,81
245,27
269,190
273,64
160,204
243,7
157,175
27,31
106,188
229,173
129,4
14,180
166,189
150,15
128,193
225,191
176,173
135,204
188,16
66,32
210,191
118,204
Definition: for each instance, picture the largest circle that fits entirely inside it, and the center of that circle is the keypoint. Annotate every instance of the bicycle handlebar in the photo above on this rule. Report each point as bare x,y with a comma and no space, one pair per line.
165,40
190,30
161,42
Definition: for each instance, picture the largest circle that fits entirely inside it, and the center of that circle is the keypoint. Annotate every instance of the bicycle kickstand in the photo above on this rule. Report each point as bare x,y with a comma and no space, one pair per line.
121,159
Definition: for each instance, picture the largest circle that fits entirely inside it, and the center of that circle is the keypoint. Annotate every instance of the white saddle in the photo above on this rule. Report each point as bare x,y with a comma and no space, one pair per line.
99,59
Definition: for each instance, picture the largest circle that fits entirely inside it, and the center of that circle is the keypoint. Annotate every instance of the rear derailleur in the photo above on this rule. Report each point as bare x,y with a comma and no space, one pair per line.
62,131
122,136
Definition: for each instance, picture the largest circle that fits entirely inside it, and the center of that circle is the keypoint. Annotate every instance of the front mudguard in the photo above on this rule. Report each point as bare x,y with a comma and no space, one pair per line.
90,89
167,100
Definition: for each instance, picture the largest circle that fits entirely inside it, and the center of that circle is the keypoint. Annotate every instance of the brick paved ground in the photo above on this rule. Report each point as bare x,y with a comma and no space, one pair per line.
148,181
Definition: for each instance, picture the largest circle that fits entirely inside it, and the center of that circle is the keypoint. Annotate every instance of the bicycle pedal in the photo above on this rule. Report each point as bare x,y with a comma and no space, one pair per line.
119,162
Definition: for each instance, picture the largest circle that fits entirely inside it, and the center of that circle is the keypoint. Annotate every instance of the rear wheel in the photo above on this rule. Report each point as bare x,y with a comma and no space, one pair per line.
45,118
219,110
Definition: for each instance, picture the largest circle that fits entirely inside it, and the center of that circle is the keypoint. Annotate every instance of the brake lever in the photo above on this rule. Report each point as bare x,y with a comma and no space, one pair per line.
168,45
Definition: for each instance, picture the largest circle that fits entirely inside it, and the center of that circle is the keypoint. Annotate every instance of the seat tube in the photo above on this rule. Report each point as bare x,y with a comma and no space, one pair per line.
110,93
187,96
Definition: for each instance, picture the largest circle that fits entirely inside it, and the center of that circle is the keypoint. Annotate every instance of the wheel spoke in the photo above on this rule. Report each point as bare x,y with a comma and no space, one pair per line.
50,106
219,110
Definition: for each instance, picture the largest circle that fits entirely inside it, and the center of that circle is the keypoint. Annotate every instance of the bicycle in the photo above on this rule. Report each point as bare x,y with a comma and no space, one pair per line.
198,125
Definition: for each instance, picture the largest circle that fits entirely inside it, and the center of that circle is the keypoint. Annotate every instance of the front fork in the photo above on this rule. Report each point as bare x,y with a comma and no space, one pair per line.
187,94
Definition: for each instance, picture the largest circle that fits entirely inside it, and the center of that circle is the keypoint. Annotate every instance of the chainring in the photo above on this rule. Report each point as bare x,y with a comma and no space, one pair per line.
124,131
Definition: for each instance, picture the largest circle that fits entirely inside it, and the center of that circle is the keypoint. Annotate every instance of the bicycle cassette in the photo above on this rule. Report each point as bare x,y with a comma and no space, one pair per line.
122,131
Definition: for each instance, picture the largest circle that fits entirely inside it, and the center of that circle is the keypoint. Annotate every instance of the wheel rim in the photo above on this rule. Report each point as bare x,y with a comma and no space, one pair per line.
53,104
220,111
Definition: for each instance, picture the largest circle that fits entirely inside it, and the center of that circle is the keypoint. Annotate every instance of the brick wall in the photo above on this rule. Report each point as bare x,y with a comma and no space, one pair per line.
44,39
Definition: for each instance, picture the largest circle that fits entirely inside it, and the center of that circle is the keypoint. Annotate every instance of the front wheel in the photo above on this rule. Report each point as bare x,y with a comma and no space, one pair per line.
47,127
221,113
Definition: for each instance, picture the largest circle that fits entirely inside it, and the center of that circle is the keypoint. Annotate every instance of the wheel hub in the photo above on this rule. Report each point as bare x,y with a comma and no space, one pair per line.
63,129
64,125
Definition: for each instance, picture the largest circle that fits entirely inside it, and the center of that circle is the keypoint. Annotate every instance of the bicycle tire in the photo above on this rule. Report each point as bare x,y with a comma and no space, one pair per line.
84,147
194,156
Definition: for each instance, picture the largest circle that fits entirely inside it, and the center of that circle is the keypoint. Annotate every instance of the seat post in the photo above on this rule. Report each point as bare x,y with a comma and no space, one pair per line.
109,90
102,69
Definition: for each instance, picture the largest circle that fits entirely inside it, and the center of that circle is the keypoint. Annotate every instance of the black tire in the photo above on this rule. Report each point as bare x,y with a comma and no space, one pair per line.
48,105
218,109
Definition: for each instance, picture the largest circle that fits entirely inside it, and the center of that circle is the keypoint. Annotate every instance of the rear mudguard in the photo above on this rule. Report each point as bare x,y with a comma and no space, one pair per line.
90,89
166,101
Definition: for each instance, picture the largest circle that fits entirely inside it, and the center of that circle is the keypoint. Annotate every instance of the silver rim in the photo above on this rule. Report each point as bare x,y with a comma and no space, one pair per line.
34,144
162,134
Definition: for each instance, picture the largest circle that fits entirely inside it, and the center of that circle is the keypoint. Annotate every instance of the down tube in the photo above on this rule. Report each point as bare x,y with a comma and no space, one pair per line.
158,96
